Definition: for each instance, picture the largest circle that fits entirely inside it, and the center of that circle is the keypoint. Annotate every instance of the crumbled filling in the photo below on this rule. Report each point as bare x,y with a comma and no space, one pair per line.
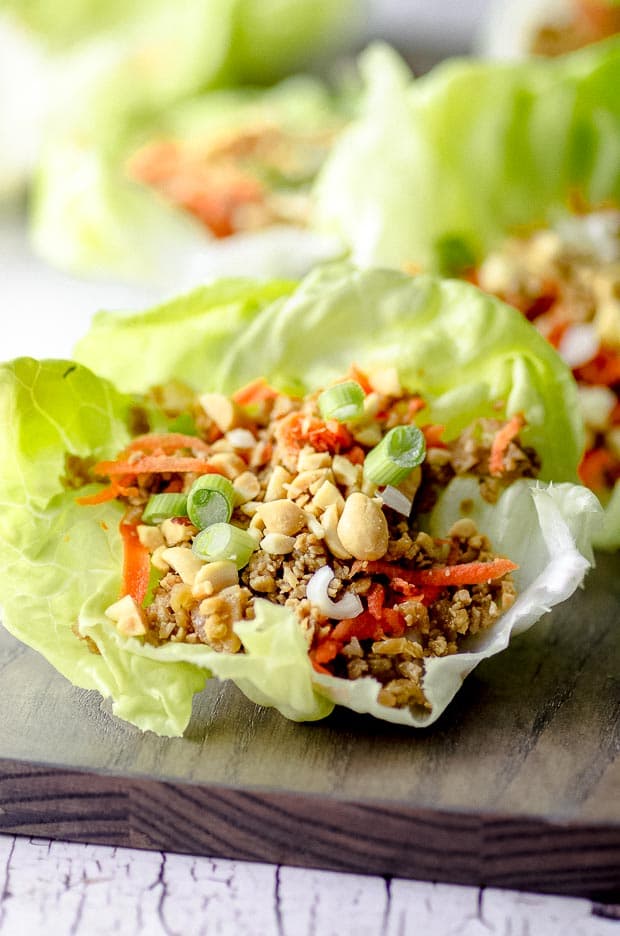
567,282
241,180
302,492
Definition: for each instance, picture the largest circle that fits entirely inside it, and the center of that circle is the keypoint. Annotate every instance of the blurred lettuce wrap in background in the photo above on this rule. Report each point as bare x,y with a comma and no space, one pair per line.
219,183
24,65
64,560
77,65
438,173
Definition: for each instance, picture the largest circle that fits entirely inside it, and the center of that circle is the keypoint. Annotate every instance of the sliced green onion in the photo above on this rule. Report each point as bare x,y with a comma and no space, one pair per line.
162,507
224,541
400,451
210,500
343,402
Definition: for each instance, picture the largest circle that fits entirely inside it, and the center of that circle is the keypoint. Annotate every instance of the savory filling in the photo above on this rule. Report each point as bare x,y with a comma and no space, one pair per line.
567,282
316,504
242,180
585,22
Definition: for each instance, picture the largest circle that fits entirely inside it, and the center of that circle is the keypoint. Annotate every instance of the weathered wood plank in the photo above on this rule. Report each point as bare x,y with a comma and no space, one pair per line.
516,785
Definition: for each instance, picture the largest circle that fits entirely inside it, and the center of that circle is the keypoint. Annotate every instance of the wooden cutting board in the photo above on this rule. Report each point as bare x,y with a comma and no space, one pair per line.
517,785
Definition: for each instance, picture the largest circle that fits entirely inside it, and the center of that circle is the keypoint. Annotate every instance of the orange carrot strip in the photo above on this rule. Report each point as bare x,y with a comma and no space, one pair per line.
432,434
296,429
355,455
465,573
360,377
257,391
376,597
502,439
155,464
166,441
326,651
604,368
108,493
363,626
393,622
595,468
136,563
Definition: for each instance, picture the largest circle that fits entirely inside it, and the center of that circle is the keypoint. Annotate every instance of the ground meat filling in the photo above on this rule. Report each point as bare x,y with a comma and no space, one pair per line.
303,497
567,282
241,180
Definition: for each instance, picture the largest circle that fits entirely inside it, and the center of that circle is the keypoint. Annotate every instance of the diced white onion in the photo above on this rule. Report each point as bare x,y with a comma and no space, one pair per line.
241,438
395,499
349,606
579,344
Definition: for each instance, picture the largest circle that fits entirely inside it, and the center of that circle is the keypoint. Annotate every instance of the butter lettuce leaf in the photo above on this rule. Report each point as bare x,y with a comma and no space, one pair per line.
462,350
59,558
90,217
471,151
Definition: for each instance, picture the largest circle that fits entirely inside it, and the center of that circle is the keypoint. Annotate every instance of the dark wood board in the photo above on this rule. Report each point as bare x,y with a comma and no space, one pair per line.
516,785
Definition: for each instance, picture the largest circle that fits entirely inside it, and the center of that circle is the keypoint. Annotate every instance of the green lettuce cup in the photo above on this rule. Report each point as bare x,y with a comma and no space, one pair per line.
64,559
218,183
478,163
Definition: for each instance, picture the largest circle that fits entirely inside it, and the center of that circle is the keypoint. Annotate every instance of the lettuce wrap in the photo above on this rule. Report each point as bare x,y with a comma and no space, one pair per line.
64,560
438,173
207,187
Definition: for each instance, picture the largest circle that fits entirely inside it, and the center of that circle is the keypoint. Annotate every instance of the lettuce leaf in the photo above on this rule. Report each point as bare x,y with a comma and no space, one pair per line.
59,558
471,151
463,350
90,217
184,338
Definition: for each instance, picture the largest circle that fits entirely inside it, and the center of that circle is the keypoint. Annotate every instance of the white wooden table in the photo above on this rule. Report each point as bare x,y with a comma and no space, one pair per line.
61,888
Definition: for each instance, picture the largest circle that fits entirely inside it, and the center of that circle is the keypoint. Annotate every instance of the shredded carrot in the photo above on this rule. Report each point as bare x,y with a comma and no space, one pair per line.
596,468
108,493
393,622
406,588
326,651
358,375
296,429
136,564
500,444
165,442
376,597
465,573
604,368
155,464
356,455
556,333
432,434
363,627
257,391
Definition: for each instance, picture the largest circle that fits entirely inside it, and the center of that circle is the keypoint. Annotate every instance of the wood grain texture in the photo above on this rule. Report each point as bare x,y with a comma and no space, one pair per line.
516,785
93,890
